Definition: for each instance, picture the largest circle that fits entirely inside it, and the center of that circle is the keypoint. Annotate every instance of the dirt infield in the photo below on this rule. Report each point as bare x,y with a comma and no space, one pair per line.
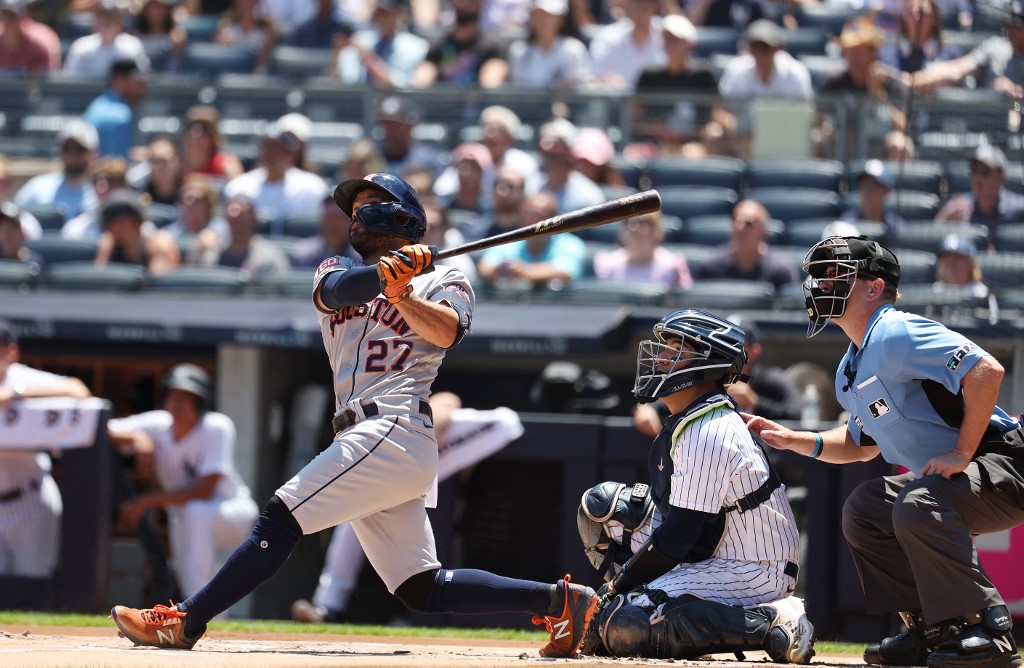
100,647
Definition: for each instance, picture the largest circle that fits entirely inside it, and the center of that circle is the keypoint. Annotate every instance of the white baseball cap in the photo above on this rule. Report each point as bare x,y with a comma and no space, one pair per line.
297,124
554,7
679,27
82,131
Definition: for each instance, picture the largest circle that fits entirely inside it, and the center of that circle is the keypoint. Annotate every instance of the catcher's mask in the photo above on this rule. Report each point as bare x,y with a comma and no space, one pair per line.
402,217
692,347
833,266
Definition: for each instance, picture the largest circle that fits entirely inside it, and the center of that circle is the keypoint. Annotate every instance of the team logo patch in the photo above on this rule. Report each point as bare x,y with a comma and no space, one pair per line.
878,408
953,362
327,264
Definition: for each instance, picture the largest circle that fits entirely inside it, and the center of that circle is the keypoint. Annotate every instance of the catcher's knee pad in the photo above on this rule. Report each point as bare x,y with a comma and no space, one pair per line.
683,628
611,504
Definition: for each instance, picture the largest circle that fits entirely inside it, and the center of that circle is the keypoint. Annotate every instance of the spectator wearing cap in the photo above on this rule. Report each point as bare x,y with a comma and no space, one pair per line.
322,30
549,260
332,239
94,55
243,25
860,41
572,190
202,145
472,199
679,72
69,190
464,55
109,175
20,51
747,256
989,202
396,117
12,237
958,267
996,63
874,184
549,57
919,42
385,56
245,249
278,187
500,128
622,50
592,149
125,240
157,29
112,113
641,258
766,70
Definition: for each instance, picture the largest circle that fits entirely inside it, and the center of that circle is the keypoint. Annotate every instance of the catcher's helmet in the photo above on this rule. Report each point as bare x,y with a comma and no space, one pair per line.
710,349
402,217
192,379
832,266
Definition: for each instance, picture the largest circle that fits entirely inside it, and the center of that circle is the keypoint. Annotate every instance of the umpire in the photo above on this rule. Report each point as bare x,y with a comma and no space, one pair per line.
925,398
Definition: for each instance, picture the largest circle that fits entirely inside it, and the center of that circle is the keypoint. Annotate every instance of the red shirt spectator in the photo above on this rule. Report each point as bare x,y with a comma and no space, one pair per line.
20,50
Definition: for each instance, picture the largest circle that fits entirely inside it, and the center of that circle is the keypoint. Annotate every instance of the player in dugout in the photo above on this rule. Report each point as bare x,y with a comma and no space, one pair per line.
924,397
386,324
705,558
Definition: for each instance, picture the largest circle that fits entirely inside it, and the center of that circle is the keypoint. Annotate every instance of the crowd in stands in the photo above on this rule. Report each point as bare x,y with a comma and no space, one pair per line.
187,197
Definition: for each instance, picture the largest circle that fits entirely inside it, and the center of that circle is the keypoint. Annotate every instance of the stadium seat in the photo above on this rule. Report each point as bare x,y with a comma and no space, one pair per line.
254,96
161,215
908,204
920,175
213,60
722,172
199,280
15,92
324,100
809,41
822,68
808,232
296,62
927,236
1002,270
916,266
1011,298
87,277
54,249
827,17
716,230
631,172
17,275
726,294
169,94
50,218
694,253
789,297
612,191
73,25
788,204
301,226
597,291
713,40
200,27
925,300
795,173
290,283
67,94
1009,238
685,202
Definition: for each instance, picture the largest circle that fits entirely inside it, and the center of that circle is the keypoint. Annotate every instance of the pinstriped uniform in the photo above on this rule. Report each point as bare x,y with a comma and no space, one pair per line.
377,472
715,462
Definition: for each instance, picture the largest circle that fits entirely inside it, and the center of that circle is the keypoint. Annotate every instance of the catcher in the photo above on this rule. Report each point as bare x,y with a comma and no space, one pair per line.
709,551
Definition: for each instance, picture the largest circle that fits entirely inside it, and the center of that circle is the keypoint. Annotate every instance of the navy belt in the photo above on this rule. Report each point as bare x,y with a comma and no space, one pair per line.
349,417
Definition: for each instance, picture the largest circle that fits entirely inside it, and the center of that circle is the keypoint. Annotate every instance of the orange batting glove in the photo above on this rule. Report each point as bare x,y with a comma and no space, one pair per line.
397,269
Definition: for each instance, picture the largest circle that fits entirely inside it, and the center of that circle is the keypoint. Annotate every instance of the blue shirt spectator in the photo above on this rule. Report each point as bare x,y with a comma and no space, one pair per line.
69,191
386,55
111,113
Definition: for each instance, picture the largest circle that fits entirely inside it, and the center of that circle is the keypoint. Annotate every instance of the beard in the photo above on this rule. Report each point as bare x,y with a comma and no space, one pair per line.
467,18
369,244
75,170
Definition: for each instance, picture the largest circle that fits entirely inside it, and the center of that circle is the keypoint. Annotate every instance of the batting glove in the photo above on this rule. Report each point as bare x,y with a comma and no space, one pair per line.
398,268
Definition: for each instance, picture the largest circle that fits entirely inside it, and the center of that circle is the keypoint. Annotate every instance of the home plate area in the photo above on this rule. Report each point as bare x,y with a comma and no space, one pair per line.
100,647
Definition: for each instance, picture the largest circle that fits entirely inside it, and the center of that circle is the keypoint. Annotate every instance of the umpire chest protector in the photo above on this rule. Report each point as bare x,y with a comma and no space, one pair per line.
660,469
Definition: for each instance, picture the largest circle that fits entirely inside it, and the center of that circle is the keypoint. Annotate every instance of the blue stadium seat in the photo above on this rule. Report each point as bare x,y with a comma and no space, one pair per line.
720,295
169,94
927,236
631,172
199,280
297,62
916,266
50,218
908,204
87,277
325,100
920,175
73,25
1002,270
924,300
1011,298
213,60
685,202
200,27
788,204
16,275
55,248
720,171
809,41
253,96
824,16
161,215
795,173
808,232
716,230
301,226
1009,238
597,291
713,40
15,92
290,283
67,94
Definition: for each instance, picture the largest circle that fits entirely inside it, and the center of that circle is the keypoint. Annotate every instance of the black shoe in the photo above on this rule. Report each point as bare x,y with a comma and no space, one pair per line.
911,647
988,643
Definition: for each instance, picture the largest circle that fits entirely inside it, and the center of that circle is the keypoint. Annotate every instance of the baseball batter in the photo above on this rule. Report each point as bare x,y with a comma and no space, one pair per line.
386,325
30,502
192,455
713,533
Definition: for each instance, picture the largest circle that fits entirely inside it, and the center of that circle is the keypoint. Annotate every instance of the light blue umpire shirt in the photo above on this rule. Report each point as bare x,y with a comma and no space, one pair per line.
902,387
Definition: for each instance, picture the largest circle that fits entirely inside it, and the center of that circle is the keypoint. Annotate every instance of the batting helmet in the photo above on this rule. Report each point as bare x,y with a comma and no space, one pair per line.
190,378
710,349
833,265
402,217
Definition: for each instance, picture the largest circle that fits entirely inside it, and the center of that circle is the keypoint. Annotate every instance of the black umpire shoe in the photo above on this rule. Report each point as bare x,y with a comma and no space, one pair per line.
987,643
911,647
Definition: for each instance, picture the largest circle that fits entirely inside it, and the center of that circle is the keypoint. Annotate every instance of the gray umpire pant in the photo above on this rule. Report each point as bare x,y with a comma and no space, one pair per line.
911,537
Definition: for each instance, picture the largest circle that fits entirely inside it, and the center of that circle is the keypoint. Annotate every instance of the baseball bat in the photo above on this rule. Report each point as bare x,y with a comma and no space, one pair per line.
647,201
